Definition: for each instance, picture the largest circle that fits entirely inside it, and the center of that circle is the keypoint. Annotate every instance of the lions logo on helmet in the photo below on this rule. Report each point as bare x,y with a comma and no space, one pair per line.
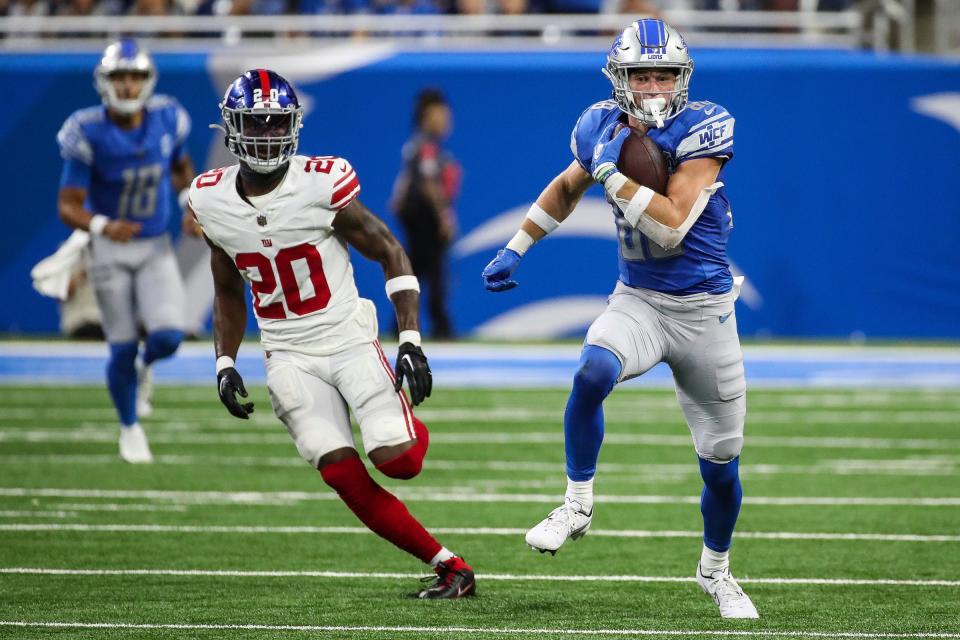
649,44
124,55
262,119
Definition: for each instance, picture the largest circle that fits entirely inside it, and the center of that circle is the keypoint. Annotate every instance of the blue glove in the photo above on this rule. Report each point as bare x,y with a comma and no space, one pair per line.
496,275
606,153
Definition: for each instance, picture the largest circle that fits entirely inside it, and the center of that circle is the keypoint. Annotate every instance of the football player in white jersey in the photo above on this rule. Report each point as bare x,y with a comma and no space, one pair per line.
282,222
674,301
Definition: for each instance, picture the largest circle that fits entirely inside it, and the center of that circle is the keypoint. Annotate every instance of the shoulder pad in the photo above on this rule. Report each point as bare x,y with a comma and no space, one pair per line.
205,184
173,110
72,138
588,128
709,132
346,184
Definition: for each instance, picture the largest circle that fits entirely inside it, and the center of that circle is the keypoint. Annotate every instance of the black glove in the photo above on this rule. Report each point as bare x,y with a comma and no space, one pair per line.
413,364
229,384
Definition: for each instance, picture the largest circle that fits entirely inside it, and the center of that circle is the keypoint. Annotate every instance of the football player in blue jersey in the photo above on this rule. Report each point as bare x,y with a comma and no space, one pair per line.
124,163
674,301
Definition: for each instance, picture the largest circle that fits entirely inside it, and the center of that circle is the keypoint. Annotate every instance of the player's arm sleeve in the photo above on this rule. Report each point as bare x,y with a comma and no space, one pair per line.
77,154
346,185
709,138
75,174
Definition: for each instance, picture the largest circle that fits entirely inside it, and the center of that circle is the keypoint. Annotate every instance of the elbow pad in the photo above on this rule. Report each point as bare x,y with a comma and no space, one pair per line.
666,236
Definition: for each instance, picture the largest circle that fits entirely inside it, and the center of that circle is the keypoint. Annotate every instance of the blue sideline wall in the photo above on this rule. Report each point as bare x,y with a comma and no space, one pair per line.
844,182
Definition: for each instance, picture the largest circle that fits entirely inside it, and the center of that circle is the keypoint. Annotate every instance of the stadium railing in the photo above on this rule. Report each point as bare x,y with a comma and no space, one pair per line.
867,26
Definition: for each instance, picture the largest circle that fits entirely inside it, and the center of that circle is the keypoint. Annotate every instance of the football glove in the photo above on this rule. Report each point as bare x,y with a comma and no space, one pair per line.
606,153
229,384
412,365
496,275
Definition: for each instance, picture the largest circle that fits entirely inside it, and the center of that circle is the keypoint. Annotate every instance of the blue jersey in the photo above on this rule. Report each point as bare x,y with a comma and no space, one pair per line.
699,264
126,173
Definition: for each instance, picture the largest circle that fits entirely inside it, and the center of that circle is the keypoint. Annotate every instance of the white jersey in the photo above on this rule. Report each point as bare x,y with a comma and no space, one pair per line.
304,295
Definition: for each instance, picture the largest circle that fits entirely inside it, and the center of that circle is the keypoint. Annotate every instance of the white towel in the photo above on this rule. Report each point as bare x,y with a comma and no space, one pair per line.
51,276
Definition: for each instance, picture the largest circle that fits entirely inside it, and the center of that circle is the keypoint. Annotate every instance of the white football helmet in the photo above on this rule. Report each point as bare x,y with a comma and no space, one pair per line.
647,44
124,55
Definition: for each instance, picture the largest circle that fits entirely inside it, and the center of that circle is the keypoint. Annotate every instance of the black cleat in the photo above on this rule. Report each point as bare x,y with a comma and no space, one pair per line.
454,580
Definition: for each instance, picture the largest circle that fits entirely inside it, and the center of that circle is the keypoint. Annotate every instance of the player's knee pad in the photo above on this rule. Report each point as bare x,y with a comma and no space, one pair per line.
717,428
162,344
726,449
123,355
311,446
405,466
598,372
720,477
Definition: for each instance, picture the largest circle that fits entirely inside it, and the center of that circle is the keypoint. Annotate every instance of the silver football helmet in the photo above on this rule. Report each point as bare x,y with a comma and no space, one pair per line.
649,44
124,55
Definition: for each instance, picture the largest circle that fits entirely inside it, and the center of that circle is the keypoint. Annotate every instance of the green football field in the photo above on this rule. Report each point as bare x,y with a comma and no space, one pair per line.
850,525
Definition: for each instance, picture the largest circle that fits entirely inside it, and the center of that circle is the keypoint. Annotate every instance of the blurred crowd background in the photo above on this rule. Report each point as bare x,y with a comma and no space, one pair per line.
394,7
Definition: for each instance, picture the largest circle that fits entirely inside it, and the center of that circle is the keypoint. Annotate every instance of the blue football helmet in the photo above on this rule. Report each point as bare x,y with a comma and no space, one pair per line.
262,119
124,55
649,44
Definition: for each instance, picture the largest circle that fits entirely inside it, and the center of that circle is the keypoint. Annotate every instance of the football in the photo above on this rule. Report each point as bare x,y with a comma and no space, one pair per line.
642,161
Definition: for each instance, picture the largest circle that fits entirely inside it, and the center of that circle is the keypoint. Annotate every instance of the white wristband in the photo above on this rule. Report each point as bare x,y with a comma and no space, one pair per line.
402,283
408,335
183,198
521,242
224,362
636,206
542,219
614,183
97,224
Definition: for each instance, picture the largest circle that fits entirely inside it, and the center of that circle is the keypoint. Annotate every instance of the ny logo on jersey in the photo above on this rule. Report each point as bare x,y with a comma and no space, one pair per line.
267,242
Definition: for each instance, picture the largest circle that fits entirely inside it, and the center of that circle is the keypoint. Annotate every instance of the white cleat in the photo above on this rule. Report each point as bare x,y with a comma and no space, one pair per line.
133,445
569,520
144,389
723,588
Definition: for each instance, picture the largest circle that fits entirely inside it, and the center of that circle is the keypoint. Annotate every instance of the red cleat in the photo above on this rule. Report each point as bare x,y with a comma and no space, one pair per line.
454,580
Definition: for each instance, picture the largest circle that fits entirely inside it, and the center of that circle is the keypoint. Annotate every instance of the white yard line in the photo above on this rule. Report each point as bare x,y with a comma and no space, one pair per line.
503,631
201,461
97,506
203,573
478,531
435,494
912,466
641,414
611,439
38,513
617,414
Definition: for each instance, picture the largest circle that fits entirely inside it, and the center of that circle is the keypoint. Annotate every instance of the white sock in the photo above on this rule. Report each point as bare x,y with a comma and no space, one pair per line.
711,560
582,492
135,425
442,556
